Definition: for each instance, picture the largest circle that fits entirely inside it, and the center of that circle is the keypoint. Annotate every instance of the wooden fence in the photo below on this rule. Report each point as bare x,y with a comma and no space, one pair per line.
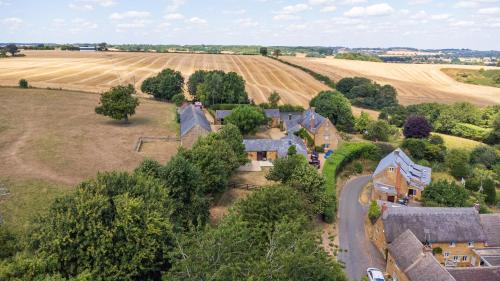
142,140
246,186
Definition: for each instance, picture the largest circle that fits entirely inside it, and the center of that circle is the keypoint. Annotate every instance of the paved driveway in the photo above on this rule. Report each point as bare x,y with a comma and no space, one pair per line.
361,253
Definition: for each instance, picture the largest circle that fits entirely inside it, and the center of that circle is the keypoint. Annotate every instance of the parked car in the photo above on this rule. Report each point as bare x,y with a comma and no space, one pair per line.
315,163
328,154
374,274
404,201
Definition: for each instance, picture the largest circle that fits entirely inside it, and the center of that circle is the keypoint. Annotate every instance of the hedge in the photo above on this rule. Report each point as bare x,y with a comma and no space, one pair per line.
335,163
470,131
320,77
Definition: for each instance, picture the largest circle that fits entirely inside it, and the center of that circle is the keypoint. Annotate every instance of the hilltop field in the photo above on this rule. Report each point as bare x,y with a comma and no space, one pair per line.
416,83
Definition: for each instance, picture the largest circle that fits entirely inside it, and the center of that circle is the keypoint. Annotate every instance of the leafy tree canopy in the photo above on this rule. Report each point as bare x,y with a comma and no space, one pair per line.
247,118
446,194
335,107
118,103
417,127
165,85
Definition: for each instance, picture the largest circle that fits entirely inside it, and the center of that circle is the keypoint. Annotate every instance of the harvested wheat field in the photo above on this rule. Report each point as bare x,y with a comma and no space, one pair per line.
98,71
56,136
416,83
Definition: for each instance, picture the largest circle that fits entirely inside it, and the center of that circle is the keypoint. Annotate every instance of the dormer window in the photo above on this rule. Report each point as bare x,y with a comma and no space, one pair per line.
391,169
471,244
452,244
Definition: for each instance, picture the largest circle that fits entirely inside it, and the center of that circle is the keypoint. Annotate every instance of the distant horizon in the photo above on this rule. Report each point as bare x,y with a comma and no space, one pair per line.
249,45
422,24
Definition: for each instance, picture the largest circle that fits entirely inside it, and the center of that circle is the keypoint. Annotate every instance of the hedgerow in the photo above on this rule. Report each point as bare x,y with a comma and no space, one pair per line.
333,165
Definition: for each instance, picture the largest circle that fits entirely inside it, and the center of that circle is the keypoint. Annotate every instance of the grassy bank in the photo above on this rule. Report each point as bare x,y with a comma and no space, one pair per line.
475,76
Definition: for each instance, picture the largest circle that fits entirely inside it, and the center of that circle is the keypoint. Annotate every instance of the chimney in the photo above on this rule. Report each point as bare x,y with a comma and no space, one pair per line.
313,122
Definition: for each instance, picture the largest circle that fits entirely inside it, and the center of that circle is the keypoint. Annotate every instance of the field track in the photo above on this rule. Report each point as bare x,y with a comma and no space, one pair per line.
416,83
96,71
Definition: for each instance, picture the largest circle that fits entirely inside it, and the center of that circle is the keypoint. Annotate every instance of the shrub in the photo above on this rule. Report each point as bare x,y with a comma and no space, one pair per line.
178,99
484,155
415,147
436,139
335,163
457,160
378,130
437,251
374,211
416,127
446,194
358,167
470,131
23,83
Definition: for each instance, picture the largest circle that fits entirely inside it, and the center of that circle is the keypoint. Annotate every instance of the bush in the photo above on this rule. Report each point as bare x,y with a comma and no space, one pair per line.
335,163
415,147
358,168
484,155
457,160
416,127
374,211
436,139
23,83
178,99
437,251
378,130
470,131
446,194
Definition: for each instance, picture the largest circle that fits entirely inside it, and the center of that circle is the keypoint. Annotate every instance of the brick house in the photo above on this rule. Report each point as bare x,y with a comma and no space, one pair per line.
397,176
457,232
194,125
320,128
270,150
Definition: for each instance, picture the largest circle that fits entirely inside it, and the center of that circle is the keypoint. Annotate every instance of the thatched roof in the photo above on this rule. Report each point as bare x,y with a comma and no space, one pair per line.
405,249
491,273
434,224
491,226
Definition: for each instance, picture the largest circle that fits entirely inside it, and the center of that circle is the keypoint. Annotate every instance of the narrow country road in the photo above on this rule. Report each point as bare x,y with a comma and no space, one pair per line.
358,253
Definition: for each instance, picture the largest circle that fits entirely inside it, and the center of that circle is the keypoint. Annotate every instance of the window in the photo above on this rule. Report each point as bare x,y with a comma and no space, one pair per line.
465,258
391,169
452,244
471,244
446,254
456,258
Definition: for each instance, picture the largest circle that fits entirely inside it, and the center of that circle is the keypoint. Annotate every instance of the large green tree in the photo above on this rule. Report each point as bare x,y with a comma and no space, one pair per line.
378,130
165,85
247,118
445,194
197,78
335,107
457,160
216,87
118,103
114,227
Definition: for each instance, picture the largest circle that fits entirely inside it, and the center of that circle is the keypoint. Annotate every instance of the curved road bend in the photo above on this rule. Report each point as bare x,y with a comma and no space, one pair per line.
361,253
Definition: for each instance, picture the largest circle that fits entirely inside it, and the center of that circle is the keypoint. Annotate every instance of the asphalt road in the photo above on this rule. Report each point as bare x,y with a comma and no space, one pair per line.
361,253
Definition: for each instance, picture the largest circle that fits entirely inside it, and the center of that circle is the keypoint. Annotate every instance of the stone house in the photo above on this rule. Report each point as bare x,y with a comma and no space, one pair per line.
272,114
409,260
453,233
476,273
397,176
194,125
320,128
270,150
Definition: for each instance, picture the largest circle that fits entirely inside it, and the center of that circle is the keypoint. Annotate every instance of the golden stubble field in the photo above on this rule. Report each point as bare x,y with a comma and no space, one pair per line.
98,71
416,83
56,135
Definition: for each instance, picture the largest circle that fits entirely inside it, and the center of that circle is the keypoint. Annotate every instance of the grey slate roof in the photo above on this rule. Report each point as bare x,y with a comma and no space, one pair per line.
442,224
417,175
270,113
427,268
476,273
490,256
192,116
406,249
281,146
491,226
303,120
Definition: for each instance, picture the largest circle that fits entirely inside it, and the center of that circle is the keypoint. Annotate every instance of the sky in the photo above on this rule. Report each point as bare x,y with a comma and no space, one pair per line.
473,24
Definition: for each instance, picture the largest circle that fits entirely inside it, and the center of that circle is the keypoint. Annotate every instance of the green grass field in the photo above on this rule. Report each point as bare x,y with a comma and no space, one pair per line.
453,142
477,77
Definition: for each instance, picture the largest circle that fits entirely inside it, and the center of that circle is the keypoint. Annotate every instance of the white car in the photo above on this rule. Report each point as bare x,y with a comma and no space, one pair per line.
375,274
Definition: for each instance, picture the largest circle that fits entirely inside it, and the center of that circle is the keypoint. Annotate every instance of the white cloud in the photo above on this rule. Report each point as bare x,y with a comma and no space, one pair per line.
352,2
4,3
465,4
296,27
294,9
419,15
12,23
440,16
81,6
247,22
382,9
197,20
89,5
328,9
319,2
174,16
489,11
462,23
419,2
129,15
174,5
285,17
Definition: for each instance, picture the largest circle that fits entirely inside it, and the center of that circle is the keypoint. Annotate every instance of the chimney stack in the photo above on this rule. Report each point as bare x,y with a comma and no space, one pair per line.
313,121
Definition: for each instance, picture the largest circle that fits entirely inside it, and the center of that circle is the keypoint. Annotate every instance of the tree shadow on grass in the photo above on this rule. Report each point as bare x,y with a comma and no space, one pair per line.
132,122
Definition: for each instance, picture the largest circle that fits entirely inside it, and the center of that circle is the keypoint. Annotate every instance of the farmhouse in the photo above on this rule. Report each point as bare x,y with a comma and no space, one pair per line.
409,260
194,125
453,233
270,150
321,129
396,176
272,114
